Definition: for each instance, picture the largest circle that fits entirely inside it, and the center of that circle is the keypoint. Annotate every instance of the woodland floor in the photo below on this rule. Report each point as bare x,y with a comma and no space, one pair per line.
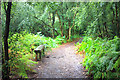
61,62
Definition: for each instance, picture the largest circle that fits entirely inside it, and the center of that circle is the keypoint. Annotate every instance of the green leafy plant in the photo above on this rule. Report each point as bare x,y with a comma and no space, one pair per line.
60,39
101,57
21,51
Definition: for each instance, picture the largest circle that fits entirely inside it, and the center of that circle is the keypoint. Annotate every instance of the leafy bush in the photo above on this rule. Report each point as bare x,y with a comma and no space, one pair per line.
60,40
102,57
76,36
21,51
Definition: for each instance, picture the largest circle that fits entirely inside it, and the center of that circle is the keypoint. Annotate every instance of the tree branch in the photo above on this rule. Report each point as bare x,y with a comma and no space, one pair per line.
74,18
46,24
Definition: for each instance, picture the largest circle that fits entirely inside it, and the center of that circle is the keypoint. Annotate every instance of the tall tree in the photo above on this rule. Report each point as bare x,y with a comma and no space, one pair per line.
53,23
72,24
6,34
117,22
60,23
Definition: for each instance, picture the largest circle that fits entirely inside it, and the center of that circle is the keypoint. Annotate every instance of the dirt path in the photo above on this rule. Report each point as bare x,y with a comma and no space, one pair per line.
62,62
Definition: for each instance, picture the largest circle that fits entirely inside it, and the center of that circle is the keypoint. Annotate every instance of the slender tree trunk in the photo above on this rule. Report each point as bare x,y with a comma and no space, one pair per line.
100,30
6,34
66,32
119,18
1,47
117,22
113,16
72,24
113,21
100,35
103,20
106,29
62,27
60,24
69,30
53,24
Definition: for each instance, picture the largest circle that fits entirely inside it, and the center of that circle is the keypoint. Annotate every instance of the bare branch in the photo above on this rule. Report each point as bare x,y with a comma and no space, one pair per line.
46,24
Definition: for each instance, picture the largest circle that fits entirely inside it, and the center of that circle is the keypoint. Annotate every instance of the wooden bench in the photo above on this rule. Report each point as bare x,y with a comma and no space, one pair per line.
39,51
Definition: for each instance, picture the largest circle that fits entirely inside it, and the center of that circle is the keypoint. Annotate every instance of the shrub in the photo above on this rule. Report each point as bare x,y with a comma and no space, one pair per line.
21,51
60,40
101,57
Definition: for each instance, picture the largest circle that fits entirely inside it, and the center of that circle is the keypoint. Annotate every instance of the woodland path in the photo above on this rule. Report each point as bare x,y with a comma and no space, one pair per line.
61,62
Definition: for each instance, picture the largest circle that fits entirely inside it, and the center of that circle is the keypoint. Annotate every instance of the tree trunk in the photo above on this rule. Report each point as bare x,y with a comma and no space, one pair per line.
100,31
66,31
62,27
53,24
70,33
106,29
114,31
117,22
60,24
72,24
69,30
62,30
1,48
119,18
113,16
103,20
6,34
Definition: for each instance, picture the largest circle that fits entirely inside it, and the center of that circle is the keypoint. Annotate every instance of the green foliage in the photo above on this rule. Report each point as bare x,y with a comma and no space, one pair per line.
76,36
60,40
91,18
98,19
21,51
101,57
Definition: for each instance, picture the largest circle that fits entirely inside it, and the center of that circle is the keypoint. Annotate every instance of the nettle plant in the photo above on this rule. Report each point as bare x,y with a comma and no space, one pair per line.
101,57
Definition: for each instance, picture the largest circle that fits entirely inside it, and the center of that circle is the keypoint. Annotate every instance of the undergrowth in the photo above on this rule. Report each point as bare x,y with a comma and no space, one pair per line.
102,57
21,51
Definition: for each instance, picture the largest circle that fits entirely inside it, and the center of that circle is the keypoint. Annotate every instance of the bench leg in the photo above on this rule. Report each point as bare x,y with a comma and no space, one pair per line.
36,57
40,55
44,52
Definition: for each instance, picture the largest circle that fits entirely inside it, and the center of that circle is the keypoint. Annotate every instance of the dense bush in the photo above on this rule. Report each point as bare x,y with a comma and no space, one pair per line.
102,57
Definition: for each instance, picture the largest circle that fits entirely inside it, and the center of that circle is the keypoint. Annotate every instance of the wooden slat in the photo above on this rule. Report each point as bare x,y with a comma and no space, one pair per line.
39,48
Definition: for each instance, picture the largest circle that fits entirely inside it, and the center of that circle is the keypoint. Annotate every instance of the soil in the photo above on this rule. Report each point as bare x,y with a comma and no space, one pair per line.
61,62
